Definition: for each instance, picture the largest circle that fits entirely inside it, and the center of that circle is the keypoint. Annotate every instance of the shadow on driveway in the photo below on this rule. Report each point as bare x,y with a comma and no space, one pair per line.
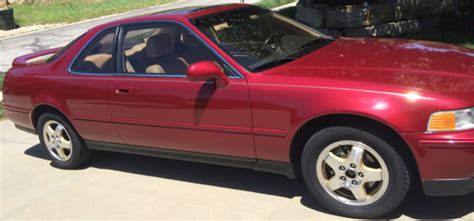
417,205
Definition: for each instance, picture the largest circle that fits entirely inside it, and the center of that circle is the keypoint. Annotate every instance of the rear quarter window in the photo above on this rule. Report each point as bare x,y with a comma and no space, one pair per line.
64,49
97,56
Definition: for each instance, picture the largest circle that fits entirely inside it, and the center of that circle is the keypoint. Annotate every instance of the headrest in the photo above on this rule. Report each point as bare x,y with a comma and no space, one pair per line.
159,45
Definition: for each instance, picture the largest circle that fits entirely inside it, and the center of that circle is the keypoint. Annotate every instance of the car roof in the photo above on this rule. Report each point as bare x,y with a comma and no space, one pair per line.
186,13
198,11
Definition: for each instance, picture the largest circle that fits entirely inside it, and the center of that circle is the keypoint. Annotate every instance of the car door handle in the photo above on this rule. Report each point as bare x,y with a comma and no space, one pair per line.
122,91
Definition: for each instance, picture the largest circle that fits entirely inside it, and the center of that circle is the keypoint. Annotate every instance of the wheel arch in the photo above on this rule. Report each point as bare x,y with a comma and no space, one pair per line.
375,126
45,108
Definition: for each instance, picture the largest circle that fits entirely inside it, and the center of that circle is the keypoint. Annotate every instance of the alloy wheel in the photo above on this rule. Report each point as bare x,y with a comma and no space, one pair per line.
352,173
57,140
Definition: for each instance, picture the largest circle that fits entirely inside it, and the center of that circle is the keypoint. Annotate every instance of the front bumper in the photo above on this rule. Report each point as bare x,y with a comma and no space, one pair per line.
445,161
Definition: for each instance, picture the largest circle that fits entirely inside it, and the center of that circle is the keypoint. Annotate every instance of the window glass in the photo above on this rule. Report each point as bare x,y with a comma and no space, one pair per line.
64,49
162,49
98,56
258,38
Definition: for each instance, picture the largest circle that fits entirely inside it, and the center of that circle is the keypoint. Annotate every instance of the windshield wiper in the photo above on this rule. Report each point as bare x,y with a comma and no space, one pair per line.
273,63
313,41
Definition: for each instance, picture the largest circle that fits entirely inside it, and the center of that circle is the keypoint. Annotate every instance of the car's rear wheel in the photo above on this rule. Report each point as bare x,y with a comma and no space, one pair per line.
354,173
61,142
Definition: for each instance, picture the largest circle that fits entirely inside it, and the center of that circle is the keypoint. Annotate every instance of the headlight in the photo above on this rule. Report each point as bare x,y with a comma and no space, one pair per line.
452,120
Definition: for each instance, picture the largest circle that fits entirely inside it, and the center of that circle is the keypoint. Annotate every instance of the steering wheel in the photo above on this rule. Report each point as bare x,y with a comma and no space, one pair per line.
273,41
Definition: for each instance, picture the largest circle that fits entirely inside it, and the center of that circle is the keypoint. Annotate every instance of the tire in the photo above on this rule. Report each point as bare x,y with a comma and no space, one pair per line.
388,166
63,158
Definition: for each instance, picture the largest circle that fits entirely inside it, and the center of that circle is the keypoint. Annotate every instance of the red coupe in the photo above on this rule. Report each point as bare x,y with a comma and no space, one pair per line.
360,119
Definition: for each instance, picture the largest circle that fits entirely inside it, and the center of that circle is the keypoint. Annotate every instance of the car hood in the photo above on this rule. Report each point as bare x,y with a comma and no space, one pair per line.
386,64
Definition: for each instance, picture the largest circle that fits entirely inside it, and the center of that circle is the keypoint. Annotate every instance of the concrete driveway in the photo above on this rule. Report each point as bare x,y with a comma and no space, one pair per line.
120,186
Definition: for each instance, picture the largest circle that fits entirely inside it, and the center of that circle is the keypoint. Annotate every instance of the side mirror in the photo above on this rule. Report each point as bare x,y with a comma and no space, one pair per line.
207,70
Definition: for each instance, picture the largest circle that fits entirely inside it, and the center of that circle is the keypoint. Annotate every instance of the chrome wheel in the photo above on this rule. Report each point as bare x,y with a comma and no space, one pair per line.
57,140
352,173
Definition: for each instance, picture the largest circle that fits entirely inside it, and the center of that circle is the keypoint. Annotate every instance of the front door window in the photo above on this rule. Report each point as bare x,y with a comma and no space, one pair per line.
162,50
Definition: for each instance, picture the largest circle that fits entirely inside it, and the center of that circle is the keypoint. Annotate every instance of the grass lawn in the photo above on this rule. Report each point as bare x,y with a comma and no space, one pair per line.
67,11
273,3
469,45
2,75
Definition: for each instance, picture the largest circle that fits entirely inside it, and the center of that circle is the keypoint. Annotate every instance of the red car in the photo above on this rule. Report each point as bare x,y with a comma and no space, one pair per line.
360,119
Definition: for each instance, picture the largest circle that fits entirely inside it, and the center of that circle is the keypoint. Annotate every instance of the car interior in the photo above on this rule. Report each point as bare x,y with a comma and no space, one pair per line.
254,37
163,50
98,58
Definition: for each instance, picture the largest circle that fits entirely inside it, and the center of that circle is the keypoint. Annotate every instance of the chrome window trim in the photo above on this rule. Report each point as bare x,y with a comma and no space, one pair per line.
86,45
233,69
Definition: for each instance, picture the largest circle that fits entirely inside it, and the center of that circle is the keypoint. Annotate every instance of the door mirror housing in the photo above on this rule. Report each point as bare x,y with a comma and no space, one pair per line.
205,71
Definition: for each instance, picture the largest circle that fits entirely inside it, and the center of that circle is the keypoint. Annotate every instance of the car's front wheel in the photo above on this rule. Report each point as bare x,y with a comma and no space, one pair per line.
61,142
354,173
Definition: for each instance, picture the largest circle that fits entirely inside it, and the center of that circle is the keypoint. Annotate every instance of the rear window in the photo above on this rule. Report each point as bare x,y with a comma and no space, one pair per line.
97,56
64,49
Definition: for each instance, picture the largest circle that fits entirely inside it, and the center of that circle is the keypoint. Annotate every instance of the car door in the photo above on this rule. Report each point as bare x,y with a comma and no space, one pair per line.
153,104
86,87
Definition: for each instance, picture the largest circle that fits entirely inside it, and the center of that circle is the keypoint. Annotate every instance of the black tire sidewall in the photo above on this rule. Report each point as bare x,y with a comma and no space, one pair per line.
79,149
398,173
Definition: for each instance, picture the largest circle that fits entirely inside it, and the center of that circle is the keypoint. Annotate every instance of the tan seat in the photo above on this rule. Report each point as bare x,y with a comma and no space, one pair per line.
97,63
135,49
161,50
139,47
129,67
100,60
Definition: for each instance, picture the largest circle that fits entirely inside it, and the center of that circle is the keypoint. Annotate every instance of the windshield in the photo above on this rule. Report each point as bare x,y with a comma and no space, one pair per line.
257,38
